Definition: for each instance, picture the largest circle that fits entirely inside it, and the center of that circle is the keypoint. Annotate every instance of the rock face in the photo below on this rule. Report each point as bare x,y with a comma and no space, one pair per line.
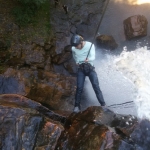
106,42
50,89
26,124
135,26
94,129
80,19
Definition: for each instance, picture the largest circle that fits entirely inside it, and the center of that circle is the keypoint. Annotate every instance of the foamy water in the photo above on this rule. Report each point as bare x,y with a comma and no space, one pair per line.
123,78
115,87
134,66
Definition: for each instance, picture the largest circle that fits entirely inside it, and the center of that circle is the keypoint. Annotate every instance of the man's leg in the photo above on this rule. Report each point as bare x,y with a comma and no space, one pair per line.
95,83
80,84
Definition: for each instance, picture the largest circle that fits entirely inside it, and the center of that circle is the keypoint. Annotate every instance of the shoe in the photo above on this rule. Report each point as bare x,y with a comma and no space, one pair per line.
76,109
105,108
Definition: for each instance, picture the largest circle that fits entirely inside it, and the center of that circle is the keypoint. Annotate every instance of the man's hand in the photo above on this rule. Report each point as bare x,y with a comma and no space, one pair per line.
86,61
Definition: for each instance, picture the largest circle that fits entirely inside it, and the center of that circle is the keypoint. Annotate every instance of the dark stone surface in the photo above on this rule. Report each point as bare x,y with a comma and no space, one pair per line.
25,124
50,89
135,26
106,42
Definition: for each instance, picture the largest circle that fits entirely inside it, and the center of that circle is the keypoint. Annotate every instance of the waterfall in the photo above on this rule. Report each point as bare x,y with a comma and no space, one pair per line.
134,66
115,87
124,77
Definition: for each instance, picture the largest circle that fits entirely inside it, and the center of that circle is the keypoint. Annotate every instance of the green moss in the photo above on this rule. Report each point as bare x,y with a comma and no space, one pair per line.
34,24
26,10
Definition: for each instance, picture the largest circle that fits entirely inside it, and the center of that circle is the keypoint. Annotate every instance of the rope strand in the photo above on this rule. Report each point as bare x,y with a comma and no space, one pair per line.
98,27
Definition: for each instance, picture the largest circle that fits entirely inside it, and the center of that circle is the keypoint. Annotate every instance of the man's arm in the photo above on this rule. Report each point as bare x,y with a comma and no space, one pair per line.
74,57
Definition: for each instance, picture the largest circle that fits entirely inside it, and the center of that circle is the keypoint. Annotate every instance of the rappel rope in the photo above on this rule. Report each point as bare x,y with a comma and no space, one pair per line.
98,27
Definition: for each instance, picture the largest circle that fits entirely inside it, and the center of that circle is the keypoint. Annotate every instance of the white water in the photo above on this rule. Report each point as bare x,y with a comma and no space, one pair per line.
115,87
123,78
135,66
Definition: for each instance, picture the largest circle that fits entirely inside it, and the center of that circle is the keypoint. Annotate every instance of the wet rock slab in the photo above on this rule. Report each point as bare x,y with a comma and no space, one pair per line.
135,26
95,129
25,124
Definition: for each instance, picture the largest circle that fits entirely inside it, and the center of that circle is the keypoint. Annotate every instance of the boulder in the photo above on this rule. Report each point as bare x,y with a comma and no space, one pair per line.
91,130
141,135
85,130
135,26
106,42
26,124
124,124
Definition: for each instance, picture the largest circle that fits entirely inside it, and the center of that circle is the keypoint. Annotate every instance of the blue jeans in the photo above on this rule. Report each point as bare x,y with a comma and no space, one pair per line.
95,84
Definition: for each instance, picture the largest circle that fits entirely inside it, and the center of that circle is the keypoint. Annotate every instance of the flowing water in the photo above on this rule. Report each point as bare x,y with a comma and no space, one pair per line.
124,75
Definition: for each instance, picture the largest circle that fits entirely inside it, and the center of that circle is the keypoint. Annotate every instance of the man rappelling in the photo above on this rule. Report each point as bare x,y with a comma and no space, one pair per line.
80,51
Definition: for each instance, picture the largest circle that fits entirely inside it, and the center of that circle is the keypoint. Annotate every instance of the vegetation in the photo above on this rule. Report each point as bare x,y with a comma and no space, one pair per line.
26,10
33,18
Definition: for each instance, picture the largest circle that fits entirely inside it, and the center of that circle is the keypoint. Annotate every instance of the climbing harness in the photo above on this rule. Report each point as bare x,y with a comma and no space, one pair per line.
86,68
98,27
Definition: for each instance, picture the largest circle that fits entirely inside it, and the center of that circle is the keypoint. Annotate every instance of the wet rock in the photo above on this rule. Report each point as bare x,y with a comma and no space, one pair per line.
141,135
16,100
82,132
71,66
106,42
26,124
48,88
40,128
96,115
124,124
97,129
90,130
135,26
